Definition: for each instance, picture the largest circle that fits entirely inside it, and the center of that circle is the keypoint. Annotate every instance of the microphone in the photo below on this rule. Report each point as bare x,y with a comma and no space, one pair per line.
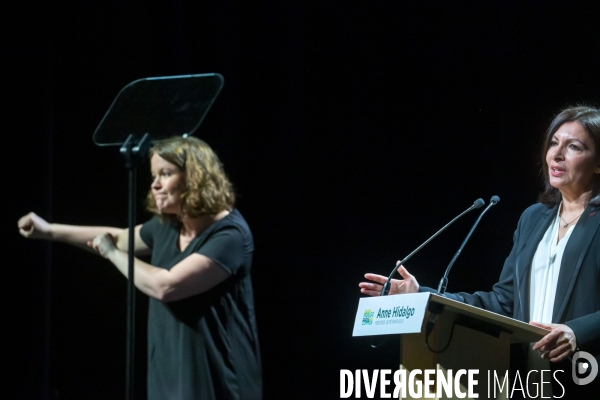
435,308
444,281
386,287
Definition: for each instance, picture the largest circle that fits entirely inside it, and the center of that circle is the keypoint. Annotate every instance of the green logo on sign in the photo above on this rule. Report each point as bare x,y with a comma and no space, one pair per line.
368,317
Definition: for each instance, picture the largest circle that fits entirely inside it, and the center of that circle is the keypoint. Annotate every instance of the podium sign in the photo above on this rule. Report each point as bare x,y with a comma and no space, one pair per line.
385,315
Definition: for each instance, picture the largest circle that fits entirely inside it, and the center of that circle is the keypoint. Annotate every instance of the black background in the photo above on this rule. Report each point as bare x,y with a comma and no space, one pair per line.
352,131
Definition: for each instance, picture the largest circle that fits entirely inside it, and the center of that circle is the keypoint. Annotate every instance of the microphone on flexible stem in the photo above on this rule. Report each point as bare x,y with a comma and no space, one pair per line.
444,281
436,308
386,287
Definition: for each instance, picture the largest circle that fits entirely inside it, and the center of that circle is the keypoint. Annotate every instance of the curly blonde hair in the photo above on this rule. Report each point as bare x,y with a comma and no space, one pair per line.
208,190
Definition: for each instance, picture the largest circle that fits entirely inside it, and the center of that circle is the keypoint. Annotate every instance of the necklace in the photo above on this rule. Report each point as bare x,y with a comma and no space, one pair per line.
568,223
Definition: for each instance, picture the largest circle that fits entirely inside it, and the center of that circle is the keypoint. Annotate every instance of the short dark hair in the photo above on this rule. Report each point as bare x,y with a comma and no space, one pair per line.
589,118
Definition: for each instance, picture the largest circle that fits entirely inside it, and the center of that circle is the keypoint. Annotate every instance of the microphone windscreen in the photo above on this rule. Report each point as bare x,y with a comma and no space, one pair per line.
479,203
494,199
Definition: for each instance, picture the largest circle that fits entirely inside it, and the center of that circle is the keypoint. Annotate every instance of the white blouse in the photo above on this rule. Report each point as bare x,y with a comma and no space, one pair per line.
544,272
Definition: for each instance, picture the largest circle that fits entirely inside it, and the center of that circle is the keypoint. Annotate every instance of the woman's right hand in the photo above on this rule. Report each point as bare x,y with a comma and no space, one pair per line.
398,286
33,226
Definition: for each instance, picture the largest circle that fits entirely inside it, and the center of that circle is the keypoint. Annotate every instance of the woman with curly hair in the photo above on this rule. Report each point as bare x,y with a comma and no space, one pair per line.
202,338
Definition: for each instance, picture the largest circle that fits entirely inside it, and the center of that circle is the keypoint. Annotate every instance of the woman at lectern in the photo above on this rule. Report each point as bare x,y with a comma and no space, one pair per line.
202,337
551,278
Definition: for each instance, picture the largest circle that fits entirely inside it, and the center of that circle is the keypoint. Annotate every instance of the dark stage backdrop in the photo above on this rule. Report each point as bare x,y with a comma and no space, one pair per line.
352,131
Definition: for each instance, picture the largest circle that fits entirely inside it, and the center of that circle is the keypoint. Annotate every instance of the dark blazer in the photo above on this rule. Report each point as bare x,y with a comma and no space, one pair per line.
577,301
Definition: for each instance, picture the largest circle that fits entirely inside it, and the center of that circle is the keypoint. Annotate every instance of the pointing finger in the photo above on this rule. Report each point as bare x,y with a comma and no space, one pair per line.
370,292
403,272
376,278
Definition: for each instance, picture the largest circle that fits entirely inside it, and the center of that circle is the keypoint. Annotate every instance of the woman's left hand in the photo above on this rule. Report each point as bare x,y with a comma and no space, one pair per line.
103,244
558,344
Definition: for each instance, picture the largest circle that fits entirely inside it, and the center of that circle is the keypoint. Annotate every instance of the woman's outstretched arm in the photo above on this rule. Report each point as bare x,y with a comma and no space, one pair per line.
32,226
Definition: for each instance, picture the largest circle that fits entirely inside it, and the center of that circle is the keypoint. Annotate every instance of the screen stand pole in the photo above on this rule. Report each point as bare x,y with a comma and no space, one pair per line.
133,154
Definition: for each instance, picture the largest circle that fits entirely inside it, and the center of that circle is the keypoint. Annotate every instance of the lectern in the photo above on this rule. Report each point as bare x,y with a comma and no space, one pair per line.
463,337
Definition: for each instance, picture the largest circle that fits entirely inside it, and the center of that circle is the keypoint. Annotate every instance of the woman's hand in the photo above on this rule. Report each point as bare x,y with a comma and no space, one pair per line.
103,244
398,286
558,344
32,226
